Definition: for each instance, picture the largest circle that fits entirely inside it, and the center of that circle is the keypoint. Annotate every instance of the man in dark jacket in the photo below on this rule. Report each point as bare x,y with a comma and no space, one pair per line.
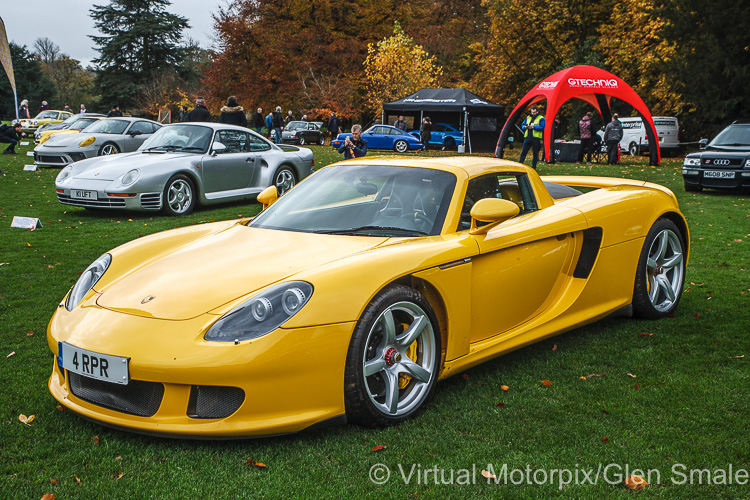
258,120
354,147
333,125
233,113
612,137
278,124
200,112
10,135
115,111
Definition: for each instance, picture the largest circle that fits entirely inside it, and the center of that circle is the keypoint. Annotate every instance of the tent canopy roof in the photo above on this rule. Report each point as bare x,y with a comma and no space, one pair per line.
443,100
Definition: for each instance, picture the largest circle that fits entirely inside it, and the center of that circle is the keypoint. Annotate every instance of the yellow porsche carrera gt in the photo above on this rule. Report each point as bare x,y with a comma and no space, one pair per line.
349,297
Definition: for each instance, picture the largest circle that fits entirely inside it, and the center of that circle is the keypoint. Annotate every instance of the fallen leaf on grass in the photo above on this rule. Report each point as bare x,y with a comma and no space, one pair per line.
500,405
605,439
118,476
635,482
30,334
645,334
696,315
488,475
554,347
48,496
466,376
581,378
253,463
60,408
594,375
546,383
118,458
379,447
631,375
96,439
737,357
78,479
26,420
504,387
28,244
637,386
53,480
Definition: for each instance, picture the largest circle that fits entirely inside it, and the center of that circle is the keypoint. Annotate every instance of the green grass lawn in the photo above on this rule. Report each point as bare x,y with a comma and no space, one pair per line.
686,407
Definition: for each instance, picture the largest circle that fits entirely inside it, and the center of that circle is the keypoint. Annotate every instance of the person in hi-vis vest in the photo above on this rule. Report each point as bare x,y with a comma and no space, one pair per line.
533,131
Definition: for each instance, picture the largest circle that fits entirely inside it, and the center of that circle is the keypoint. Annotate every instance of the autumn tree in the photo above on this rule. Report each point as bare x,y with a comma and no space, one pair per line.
396,67
141,40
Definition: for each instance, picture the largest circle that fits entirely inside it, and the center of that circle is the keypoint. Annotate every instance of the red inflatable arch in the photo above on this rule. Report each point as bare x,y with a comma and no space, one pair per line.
586,83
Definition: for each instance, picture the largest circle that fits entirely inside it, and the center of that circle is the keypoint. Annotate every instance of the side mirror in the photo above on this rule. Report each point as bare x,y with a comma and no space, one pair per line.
703,143
492,210
217,148
268,196
135,132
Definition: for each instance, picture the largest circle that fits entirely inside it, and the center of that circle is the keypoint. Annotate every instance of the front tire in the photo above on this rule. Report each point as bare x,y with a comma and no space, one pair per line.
301,141
179,196
322,141
109,149
660,275
393,360
633,149
284,180
400,146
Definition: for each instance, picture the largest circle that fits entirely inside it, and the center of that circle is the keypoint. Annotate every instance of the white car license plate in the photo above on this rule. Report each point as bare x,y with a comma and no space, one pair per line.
720,174
95,365
82,195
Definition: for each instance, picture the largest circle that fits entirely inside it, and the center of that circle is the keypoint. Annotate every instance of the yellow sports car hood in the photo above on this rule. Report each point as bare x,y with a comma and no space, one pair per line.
198,276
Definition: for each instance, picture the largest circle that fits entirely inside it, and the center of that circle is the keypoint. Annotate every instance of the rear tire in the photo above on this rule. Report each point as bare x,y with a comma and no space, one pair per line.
400,146
394,359
284,180
633,149
108,148
660,276
301,141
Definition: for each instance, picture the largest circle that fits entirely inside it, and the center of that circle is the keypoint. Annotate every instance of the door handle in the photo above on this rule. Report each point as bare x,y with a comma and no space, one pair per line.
250,159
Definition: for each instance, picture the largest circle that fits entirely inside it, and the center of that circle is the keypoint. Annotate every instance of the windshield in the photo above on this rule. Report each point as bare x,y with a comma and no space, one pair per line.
194,138
70,120
108,126
364,200
46,115
733,135
296,126
81,123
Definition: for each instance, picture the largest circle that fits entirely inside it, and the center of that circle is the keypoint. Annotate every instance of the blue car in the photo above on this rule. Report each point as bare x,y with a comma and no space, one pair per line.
384,137
442,135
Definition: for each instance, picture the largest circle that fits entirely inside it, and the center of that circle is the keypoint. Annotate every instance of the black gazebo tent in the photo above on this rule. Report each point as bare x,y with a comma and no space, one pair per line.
455,107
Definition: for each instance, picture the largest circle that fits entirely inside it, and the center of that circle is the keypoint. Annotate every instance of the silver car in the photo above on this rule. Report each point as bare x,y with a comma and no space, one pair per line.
183,165
105,137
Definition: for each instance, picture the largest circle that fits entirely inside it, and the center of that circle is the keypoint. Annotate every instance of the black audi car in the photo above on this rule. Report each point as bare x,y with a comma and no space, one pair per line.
723,163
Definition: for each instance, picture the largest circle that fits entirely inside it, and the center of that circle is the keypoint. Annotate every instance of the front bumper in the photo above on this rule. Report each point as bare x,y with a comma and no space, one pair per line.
58,157
696,177
150,201
289,379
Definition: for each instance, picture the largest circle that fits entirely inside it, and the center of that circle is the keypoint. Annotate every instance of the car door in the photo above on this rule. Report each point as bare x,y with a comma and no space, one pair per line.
231,168
523,262
377,139
135,135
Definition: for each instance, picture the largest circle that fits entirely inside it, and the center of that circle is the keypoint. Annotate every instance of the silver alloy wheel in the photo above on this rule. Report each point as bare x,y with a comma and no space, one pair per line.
633,149
387,357
284,181
109,149
665,270
180,196
400,146
301,140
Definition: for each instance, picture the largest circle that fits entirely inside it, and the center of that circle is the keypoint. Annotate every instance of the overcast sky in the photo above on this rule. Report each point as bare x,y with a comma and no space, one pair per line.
67,23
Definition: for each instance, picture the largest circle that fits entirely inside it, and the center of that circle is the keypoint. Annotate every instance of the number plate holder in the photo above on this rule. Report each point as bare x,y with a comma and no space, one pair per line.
105,367
719,174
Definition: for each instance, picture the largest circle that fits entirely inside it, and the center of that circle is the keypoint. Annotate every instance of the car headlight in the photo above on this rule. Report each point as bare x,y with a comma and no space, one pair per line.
87,142
35,122
44,139
87,280
262,313
64,173
692,162
131,177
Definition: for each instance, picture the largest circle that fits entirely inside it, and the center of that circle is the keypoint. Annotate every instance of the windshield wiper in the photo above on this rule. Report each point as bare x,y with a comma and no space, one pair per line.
352,230
733,144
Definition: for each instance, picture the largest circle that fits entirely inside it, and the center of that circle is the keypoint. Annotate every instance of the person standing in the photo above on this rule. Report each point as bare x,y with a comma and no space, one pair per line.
587,140
304,118
400,123
233,113
23,110
612,137
67,108
11,135
269,124
533,131
278,125
183,117
354,146
200,112
258,120
425,132
82,110
115,111
289,117
43,107
334,123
